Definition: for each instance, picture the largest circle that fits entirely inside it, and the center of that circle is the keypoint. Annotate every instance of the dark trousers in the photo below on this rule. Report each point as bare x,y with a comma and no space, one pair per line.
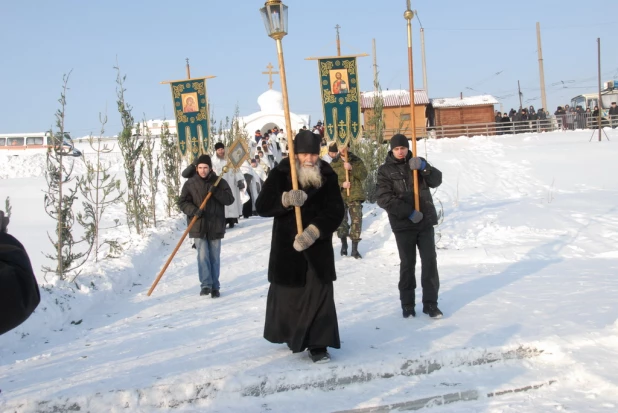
407,242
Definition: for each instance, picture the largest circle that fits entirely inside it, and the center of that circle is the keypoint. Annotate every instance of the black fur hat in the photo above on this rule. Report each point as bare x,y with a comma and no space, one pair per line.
307,142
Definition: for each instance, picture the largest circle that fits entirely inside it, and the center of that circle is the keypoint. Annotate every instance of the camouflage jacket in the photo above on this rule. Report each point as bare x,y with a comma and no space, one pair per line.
357,177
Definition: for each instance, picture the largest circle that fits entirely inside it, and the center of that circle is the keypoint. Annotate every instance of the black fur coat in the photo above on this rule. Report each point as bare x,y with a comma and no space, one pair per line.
324,208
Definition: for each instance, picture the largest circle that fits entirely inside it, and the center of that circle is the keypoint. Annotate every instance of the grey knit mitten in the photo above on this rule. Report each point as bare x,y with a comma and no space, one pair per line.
416,163
295,197
307,238
416,217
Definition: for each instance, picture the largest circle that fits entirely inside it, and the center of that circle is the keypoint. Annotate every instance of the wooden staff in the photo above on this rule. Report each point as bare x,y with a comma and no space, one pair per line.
408,15
347,173
184,235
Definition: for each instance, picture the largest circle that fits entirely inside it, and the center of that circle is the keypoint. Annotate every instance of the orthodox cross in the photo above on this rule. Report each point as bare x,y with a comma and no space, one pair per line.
337,27
270,74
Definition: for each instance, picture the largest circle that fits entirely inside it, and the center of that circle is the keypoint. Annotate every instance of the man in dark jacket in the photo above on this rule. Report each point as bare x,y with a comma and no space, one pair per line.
412,229
613,115
19,292
300,309
353,203
209,228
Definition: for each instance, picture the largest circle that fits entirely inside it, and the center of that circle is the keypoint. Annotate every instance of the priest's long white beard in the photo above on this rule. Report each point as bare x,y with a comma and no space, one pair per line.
309,176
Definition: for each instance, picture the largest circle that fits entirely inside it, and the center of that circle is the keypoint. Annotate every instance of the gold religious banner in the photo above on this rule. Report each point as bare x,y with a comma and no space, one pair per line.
190,103
340,90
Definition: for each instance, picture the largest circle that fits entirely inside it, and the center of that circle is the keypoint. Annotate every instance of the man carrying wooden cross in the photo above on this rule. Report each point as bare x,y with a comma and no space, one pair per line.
412,228
209,228
350,183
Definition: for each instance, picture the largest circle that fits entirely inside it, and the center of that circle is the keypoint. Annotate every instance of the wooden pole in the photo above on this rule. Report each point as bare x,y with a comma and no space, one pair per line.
600,103
409,14
541,70
188,69
184,235
519,92
345,157
288,125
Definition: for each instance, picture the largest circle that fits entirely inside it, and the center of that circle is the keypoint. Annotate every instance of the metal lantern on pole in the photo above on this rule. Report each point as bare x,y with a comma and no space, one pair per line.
275,16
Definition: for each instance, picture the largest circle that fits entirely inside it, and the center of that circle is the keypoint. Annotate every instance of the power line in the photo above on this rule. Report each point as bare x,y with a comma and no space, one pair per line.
502,29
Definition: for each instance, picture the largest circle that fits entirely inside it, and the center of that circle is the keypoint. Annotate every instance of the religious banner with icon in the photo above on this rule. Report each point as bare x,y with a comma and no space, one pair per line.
238,153
340,98
191,111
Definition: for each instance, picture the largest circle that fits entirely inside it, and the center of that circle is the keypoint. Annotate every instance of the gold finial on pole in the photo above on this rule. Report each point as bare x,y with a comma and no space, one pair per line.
409,15
188,69
270,74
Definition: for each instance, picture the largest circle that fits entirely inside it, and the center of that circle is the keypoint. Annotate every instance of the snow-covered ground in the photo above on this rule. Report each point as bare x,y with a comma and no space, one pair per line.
528,260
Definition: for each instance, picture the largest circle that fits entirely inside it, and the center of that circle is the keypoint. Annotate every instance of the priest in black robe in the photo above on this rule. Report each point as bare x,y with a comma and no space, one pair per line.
300,309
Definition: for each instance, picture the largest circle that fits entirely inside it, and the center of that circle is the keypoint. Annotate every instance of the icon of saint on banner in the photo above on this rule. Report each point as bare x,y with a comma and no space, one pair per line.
189,102
339,81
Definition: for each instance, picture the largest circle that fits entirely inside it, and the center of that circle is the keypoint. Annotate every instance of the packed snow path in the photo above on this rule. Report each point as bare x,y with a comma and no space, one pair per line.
528,258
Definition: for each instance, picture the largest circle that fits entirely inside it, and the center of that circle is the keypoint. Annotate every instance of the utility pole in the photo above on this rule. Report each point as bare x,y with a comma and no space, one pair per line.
519,89
541,70
600,102
375,66
423,59
337,27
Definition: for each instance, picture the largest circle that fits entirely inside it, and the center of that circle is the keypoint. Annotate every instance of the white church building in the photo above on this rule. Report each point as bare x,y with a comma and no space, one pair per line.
271,114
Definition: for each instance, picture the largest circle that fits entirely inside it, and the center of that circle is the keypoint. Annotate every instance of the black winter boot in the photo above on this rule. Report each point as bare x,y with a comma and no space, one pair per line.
344,246
408,310
355,252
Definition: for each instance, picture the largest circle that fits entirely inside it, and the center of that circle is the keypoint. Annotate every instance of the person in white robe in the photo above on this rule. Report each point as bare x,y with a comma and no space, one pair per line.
331,154
259,171
253,181
236,181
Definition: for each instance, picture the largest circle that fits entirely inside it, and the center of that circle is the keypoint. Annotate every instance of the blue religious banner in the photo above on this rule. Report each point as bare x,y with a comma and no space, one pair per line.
191,112
340,98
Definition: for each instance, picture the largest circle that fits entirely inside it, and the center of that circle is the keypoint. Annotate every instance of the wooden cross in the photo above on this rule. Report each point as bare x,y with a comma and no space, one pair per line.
270,74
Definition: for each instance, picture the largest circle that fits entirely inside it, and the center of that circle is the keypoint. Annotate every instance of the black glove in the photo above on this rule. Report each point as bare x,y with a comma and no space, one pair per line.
212,189
198,212
241,184
189,171
4,222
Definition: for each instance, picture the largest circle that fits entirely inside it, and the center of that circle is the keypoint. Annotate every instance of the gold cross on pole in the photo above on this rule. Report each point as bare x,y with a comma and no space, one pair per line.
270,74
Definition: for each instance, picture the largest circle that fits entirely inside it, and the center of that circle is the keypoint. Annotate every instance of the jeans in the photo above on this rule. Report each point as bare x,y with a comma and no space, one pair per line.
407,242
208,262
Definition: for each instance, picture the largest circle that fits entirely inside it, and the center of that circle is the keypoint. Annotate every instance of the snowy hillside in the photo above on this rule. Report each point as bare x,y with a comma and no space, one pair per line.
528,261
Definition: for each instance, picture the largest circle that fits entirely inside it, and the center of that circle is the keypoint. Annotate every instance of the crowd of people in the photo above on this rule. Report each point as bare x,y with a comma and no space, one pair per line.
566,118
522,120
300,307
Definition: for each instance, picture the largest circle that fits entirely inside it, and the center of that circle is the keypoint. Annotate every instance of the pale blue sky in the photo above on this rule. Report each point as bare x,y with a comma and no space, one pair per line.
467,42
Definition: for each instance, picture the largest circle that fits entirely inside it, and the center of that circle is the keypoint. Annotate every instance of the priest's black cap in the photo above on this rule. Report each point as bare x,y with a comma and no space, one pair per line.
307,142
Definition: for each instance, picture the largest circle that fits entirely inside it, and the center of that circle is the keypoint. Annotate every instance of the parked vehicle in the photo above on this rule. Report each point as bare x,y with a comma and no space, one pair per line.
37,140
609,94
